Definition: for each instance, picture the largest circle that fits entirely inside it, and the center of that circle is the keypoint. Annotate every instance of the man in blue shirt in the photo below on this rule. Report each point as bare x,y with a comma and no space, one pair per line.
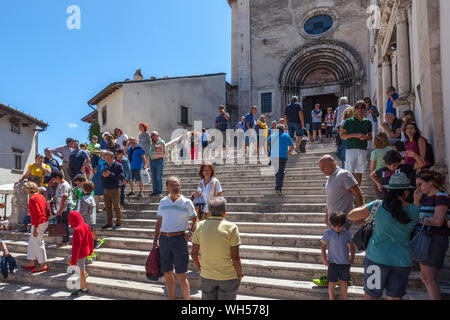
281,145
222,123
78,160
294,120
250,123
392,97
136,157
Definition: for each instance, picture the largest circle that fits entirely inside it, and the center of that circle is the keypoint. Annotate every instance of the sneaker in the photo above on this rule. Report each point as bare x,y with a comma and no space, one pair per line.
99,243
79,292
130,194
22,229
107,226
117,227
140,195
279,193
321,282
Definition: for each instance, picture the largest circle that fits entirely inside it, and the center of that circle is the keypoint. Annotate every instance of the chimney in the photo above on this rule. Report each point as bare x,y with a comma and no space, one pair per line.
138,75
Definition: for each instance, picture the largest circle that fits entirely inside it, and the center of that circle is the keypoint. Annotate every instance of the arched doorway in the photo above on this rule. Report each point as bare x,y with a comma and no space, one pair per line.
321,70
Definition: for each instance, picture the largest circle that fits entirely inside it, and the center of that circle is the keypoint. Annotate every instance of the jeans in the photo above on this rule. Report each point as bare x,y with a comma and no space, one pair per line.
279,176
156,169
26,220
122,195
64,218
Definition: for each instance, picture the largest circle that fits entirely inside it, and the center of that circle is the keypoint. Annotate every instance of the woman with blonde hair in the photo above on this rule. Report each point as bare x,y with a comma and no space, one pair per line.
434,202
37,205
381,145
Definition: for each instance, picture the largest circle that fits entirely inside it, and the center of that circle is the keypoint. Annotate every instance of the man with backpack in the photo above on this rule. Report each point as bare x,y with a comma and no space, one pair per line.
136,156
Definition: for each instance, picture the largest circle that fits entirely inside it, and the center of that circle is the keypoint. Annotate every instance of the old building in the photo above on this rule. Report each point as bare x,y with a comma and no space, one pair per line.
165,104
19,132
317,50
411,51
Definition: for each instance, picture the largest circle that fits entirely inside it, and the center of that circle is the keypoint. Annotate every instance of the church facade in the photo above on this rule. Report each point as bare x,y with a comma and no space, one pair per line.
317,50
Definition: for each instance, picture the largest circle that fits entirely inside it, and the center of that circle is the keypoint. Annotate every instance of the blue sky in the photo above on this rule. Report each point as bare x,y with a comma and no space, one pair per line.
50,72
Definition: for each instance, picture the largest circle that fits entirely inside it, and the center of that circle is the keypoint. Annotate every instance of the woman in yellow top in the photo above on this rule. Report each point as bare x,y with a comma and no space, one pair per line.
262,125
37,171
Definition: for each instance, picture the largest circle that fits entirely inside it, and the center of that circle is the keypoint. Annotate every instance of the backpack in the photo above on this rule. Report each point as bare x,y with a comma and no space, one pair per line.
429,155
153,265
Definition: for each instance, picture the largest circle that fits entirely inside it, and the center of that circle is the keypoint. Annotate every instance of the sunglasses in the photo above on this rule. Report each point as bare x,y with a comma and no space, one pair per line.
360,108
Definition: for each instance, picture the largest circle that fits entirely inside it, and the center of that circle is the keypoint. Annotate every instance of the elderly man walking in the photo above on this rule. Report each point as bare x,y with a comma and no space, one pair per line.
112,177
339,112
174,212
64,154
340,189
220,265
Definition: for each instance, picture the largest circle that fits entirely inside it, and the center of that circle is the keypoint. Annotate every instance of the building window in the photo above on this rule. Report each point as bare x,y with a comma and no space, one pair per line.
318,24
266,102
18,162
104,115
15,127
184,115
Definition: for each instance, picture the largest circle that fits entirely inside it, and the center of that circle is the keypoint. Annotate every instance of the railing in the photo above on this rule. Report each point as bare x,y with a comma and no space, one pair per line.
6,196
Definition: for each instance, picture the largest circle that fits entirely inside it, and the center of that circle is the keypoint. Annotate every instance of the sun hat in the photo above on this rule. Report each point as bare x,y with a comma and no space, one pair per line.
399,181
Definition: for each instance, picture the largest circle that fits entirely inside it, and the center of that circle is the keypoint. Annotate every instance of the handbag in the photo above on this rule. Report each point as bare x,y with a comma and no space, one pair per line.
145,177
362,236
57,230
421,242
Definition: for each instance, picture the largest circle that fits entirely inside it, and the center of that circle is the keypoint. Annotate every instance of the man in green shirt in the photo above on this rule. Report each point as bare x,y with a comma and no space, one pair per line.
357,131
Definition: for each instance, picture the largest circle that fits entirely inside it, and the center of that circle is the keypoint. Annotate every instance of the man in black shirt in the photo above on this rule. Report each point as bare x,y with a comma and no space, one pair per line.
395,164
294,121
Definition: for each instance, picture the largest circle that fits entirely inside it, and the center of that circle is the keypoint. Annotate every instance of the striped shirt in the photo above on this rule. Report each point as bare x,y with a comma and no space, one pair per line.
428,205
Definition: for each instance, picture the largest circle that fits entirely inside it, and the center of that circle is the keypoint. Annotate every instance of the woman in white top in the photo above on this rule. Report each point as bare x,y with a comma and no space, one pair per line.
209,187
121,139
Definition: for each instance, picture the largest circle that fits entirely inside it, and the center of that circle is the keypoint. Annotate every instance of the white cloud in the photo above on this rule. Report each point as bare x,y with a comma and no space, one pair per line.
72,125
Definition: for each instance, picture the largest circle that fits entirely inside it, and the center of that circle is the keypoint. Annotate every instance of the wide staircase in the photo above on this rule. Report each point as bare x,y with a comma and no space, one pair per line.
280,238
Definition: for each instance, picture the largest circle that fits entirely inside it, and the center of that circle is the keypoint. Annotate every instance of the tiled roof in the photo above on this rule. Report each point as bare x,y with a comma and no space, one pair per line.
7,110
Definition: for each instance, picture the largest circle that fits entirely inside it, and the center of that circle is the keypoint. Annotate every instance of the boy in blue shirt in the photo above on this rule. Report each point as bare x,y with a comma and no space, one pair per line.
279,144
338,240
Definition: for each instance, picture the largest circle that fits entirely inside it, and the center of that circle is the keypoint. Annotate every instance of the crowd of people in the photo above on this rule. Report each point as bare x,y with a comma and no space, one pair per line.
409,194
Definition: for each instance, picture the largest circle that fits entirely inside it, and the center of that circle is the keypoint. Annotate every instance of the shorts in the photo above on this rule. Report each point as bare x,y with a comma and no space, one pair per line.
338,271
81,263
392,279
438,251
173,253
317,126
136,175
219,290
295,128
356,160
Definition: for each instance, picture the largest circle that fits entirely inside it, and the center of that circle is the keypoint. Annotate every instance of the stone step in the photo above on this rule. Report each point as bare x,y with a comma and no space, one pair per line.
136,239
246,207
249,252
251,287
248,227
260,199
22,292
250,190
131,266
116,288
238,170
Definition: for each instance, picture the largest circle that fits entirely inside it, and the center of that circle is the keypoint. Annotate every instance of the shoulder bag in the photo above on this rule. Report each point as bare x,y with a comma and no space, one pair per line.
362,236
421,242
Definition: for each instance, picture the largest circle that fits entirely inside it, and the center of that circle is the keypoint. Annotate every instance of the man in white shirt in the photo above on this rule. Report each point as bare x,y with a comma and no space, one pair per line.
173,215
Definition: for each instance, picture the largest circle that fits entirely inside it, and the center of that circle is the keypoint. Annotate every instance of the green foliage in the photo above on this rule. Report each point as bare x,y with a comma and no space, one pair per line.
94,130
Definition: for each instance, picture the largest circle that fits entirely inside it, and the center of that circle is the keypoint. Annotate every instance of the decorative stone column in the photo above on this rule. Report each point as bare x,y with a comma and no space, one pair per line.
387,80
403,60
